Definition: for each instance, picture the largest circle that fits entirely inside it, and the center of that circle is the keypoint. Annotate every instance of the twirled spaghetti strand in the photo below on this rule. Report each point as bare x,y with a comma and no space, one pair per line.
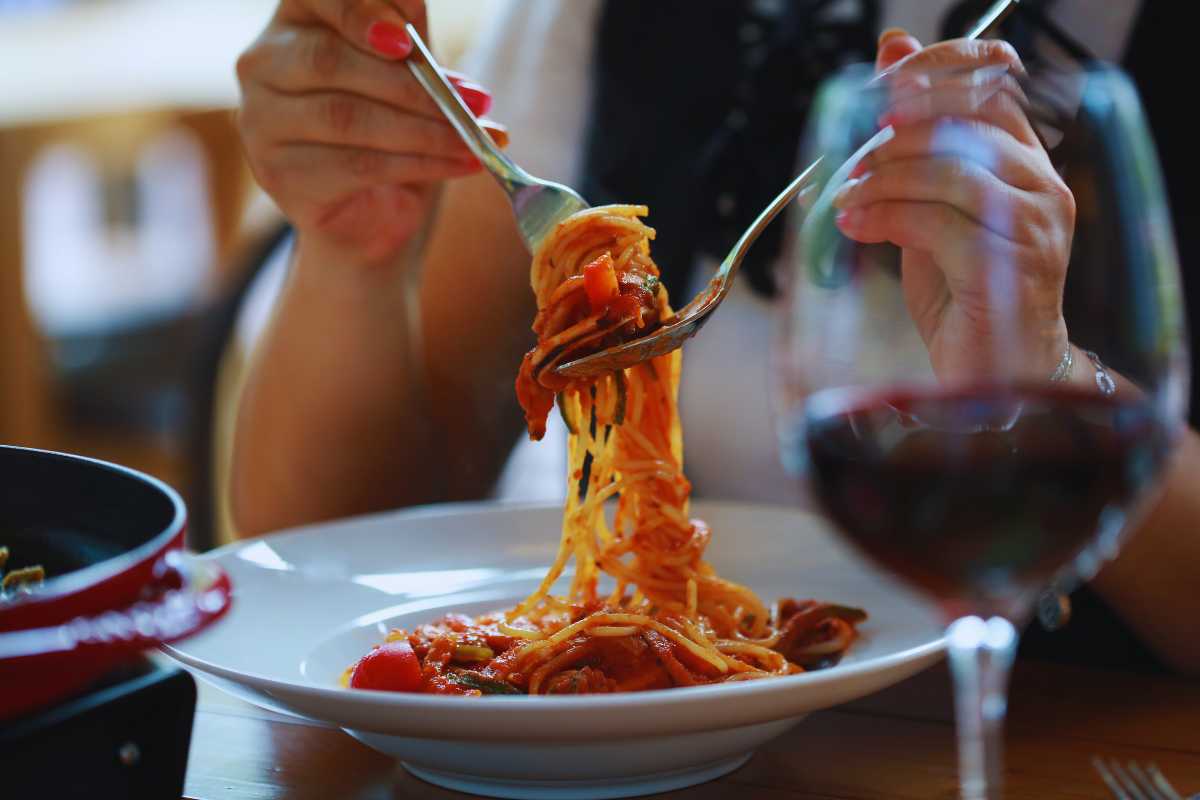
669,619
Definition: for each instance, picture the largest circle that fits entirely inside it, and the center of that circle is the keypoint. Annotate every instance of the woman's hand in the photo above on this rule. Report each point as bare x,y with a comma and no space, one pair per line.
966,189
339,132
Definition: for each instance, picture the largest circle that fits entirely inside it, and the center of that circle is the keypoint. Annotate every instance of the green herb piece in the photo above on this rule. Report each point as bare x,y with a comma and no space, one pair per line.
472,680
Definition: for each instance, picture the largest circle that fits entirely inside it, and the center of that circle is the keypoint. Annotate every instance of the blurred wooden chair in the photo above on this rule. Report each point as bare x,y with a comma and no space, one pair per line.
34,395
102,82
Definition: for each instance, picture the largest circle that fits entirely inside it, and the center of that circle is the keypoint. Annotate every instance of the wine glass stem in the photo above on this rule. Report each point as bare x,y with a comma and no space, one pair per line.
981,656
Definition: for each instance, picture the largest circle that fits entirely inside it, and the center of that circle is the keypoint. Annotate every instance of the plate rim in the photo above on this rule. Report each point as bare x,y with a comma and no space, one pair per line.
920,656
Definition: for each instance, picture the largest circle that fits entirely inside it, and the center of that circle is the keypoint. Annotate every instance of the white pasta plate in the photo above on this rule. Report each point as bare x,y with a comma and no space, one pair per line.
311,601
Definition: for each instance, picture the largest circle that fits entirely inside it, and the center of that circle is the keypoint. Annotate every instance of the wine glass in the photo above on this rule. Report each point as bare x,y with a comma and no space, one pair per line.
980,391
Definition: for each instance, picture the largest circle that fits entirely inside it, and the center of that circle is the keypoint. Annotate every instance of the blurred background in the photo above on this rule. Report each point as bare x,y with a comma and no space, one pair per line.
128,220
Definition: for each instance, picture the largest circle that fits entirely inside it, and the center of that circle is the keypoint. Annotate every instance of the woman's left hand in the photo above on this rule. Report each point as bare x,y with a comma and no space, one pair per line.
968,192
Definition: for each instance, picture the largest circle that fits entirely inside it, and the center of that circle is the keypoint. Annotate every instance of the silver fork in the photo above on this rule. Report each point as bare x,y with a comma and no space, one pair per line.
539,205
688,320
1135,782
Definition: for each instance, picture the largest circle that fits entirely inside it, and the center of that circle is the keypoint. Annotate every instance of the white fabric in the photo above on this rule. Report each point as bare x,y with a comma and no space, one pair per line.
535,61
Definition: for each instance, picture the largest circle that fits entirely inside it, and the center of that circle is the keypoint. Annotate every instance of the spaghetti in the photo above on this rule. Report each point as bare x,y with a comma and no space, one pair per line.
15,582
669,620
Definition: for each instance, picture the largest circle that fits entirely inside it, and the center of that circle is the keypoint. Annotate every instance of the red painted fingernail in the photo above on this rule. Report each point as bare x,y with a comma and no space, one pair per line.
887,118
475,96
848,218
890,33
859,169
389,40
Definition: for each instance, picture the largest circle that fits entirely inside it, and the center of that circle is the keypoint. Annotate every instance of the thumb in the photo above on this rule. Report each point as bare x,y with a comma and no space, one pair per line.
894,44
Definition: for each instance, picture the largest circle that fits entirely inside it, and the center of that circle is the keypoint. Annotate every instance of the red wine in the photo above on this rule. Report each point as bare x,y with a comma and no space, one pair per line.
981,495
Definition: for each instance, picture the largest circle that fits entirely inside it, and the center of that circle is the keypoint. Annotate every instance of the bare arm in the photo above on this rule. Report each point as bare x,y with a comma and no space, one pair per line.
384,377
347,410
1155,582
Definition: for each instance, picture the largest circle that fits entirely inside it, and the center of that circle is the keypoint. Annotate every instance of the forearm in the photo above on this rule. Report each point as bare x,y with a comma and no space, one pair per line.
353,406
332,413
1155,583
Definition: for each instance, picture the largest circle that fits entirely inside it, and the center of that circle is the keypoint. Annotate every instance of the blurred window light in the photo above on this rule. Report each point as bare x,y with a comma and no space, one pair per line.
19,6
104,249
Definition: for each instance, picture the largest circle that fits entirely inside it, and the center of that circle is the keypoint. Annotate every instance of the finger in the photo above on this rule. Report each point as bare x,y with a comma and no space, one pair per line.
925,227
497,132
997,100
348,120
1019,165
982,271
982,80
956,182
373,26
958,54
318,173
316,58
894,44
959,247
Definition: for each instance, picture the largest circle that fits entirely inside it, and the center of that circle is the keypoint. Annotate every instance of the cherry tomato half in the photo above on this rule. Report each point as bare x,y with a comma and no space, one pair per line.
600,282
391,667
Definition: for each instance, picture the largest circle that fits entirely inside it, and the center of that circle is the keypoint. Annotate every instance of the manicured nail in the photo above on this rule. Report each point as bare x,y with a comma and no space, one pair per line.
849,218
842,196
475,96
890,33
859,170
388,40
467,165
886,119
498,132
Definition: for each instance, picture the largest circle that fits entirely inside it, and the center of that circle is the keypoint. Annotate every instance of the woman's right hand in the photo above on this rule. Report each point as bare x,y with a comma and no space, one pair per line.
338,131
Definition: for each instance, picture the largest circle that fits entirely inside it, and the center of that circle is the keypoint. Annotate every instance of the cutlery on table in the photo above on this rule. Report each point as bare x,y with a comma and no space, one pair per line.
1135,782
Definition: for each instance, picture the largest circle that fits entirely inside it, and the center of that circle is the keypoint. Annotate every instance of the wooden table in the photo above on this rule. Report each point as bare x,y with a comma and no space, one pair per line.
896,744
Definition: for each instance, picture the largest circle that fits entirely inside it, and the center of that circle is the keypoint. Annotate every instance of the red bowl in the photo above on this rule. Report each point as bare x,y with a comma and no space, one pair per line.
118,581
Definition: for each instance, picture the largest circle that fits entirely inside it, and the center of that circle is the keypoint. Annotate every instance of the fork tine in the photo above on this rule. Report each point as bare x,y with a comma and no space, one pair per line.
1162,783
1109,779
1128,782
1143,782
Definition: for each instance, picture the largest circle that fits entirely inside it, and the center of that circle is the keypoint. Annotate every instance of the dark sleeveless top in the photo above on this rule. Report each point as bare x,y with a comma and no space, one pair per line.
698,109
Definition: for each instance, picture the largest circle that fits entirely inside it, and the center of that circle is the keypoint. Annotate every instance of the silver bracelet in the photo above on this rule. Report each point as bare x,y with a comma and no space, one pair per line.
1063,370
1104,381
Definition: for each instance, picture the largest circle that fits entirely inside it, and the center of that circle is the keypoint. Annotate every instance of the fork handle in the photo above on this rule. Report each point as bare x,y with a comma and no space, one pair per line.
427,72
